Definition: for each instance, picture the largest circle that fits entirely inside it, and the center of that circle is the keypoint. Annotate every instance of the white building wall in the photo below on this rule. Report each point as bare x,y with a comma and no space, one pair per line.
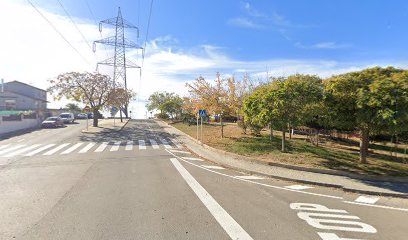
11,126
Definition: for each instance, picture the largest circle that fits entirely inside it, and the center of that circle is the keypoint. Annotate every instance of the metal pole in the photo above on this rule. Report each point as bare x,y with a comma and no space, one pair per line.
197,127
202,130
87,121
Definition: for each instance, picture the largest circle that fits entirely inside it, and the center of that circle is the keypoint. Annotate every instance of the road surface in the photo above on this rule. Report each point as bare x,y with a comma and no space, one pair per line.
140,183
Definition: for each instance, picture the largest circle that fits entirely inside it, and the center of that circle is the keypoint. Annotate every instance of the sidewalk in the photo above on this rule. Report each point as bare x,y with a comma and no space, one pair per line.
362,184
106,125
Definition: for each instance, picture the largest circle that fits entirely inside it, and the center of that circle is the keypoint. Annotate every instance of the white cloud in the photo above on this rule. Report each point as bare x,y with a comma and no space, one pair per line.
244,23
324,45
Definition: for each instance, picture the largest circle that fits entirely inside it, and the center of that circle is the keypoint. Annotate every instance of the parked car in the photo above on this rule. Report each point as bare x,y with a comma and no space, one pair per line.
67,117
82,116
52,122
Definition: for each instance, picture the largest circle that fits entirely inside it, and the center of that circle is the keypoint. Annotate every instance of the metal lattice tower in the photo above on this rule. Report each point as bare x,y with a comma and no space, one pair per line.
120,43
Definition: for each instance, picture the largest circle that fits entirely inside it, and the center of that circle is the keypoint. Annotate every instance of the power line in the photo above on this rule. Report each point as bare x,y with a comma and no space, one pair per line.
76,26
59,33
147,31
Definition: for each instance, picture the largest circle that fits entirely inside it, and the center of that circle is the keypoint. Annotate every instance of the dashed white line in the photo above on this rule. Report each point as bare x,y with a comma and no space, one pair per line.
102,147
178,151
154,144
377,206
54,150
87,147
250,177
72,148
298,187
129,146
367,199
142,145
233,229
39,150
212,167
192,159
115,146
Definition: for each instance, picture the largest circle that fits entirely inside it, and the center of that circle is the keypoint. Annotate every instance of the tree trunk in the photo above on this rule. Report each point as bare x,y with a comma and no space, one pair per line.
120,114
222,127
290,133
364,140
283,139
317,137
95,118
270,137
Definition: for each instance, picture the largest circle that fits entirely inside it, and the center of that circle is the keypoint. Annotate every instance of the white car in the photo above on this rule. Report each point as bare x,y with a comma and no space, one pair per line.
67,117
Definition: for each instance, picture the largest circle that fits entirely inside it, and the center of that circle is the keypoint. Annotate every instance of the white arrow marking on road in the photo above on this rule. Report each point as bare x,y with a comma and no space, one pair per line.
212,167
165,143
192,159
87,147
129,146
54,150
69,150
233,229
102,147
115,147
298,187
250,177
142,145
11,148
39,150
178,151
154,144
14,153
366,199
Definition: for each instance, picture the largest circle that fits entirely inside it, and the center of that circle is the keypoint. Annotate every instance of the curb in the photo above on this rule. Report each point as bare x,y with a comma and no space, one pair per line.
328,172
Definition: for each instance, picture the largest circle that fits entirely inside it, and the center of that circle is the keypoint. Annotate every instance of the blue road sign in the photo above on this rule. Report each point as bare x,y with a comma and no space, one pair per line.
114,110
202,113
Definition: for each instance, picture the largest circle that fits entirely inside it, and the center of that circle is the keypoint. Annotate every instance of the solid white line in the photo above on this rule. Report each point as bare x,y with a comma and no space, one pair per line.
115,146
129,146
212,167
72,148
39,150
377,206
192,159
261,184
367,199
298,187
251,177
142,145
178,151
87,147
22,150
4,146
233,229
11,148
165,143
154,144
102,147
176,143
54,150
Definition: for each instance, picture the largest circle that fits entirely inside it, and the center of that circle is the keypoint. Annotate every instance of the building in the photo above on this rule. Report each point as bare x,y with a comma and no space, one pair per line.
20,96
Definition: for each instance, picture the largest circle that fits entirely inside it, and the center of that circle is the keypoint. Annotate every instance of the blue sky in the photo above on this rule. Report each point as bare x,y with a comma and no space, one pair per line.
191,38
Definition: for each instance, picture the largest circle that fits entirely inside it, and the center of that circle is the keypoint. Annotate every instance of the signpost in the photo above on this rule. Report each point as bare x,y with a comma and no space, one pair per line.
201,113
113,111
87,109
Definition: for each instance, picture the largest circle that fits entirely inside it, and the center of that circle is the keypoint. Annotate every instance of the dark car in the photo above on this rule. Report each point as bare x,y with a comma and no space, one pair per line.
52,122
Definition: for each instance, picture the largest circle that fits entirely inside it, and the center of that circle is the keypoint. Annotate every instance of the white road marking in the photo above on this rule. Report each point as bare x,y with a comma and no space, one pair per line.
212,167
233,229
115,146
129,146
102,147
298,187
178,151
176,143
21,140
54,150
193,159
366,199
38,150
257,183
250,177
11,148
4,146
87,147
72,148
142,145
378,206
165,143
333,236
154,144
22,150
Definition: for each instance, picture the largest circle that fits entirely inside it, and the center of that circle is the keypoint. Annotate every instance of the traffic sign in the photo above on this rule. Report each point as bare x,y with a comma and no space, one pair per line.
87,109
202,113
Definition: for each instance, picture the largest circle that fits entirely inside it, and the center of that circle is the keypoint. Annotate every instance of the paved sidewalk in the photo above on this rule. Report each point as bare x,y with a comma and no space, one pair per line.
365,185
106,124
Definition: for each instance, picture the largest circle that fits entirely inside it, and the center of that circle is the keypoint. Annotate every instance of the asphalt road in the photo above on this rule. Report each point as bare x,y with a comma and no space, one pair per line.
140,184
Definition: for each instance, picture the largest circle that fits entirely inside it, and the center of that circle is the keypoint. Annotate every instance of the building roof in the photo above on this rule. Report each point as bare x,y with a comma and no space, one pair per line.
15,81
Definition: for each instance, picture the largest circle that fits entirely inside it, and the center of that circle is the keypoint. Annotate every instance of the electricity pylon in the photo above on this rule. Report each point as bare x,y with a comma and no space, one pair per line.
120,43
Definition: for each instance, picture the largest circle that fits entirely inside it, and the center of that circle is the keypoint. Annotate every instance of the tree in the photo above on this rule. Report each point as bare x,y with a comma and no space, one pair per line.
121,97
371,100
93,89
167,103
72,107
